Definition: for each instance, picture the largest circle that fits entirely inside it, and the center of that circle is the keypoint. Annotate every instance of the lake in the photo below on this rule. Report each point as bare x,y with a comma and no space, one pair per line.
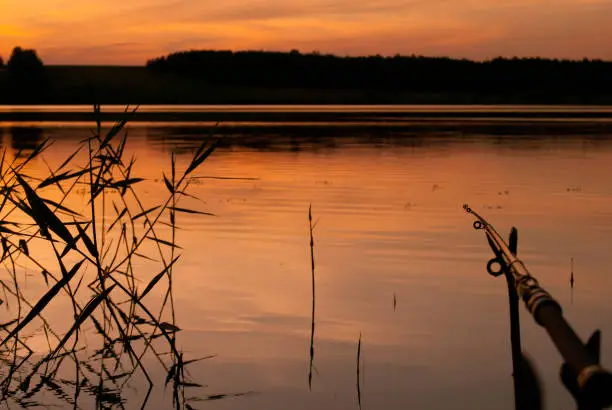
398,264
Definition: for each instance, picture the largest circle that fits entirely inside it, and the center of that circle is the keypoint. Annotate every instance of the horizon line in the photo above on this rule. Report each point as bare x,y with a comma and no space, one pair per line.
321,53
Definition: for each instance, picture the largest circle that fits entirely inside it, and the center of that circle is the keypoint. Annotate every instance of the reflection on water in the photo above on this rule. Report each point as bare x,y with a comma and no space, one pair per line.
397,261
25,138
381,108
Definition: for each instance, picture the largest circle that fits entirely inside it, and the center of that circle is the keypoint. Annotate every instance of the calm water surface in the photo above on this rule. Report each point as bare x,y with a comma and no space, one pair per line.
389,223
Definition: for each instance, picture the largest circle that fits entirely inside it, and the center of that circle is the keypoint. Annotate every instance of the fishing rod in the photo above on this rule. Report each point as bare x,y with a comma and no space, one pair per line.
583,376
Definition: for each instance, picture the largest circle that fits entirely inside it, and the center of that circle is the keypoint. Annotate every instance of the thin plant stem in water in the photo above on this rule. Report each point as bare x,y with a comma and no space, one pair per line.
572,282
312,322
358,385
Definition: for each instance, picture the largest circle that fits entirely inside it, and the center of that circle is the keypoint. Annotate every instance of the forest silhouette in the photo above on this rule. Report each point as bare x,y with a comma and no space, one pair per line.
264,77
413,73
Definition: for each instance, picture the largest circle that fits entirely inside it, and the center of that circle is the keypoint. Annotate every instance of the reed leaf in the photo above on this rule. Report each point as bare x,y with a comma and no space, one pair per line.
60,207
7,324
5,246
125,183
189,211
70,158
53,179
201,155
142,255
143,213
121,148
167,243
168,184
115,129
87,241
7,230
21,205
171,373
39,148
119,216
189,384
23,245
42,214
156,279
63,176
212,356
85,313
169,327
45,276
43,302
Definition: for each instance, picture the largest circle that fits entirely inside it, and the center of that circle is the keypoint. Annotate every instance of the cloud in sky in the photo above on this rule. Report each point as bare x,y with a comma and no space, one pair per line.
129,32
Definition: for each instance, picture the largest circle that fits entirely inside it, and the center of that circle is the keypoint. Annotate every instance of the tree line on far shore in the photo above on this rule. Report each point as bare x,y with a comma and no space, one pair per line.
264,77
414,73
24,61
26,75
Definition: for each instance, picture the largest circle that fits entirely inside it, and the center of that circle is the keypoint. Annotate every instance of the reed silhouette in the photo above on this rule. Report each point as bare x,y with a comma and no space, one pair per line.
358,371
94,272
311,227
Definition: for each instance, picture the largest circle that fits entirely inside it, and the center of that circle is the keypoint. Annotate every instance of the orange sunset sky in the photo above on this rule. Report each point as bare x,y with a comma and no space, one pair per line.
131,31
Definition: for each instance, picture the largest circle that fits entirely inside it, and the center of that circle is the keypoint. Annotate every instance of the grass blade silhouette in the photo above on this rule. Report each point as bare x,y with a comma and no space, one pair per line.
91,247
201,155
156,279
43,302
43,215
189,211
85,313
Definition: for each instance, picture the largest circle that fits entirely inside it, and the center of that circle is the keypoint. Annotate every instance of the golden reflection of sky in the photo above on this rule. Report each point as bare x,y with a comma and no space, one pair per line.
115,32
390,222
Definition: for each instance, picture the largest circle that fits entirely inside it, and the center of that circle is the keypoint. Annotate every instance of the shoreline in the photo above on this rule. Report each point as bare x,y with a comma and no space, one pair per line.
330,119
545,128
218,114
